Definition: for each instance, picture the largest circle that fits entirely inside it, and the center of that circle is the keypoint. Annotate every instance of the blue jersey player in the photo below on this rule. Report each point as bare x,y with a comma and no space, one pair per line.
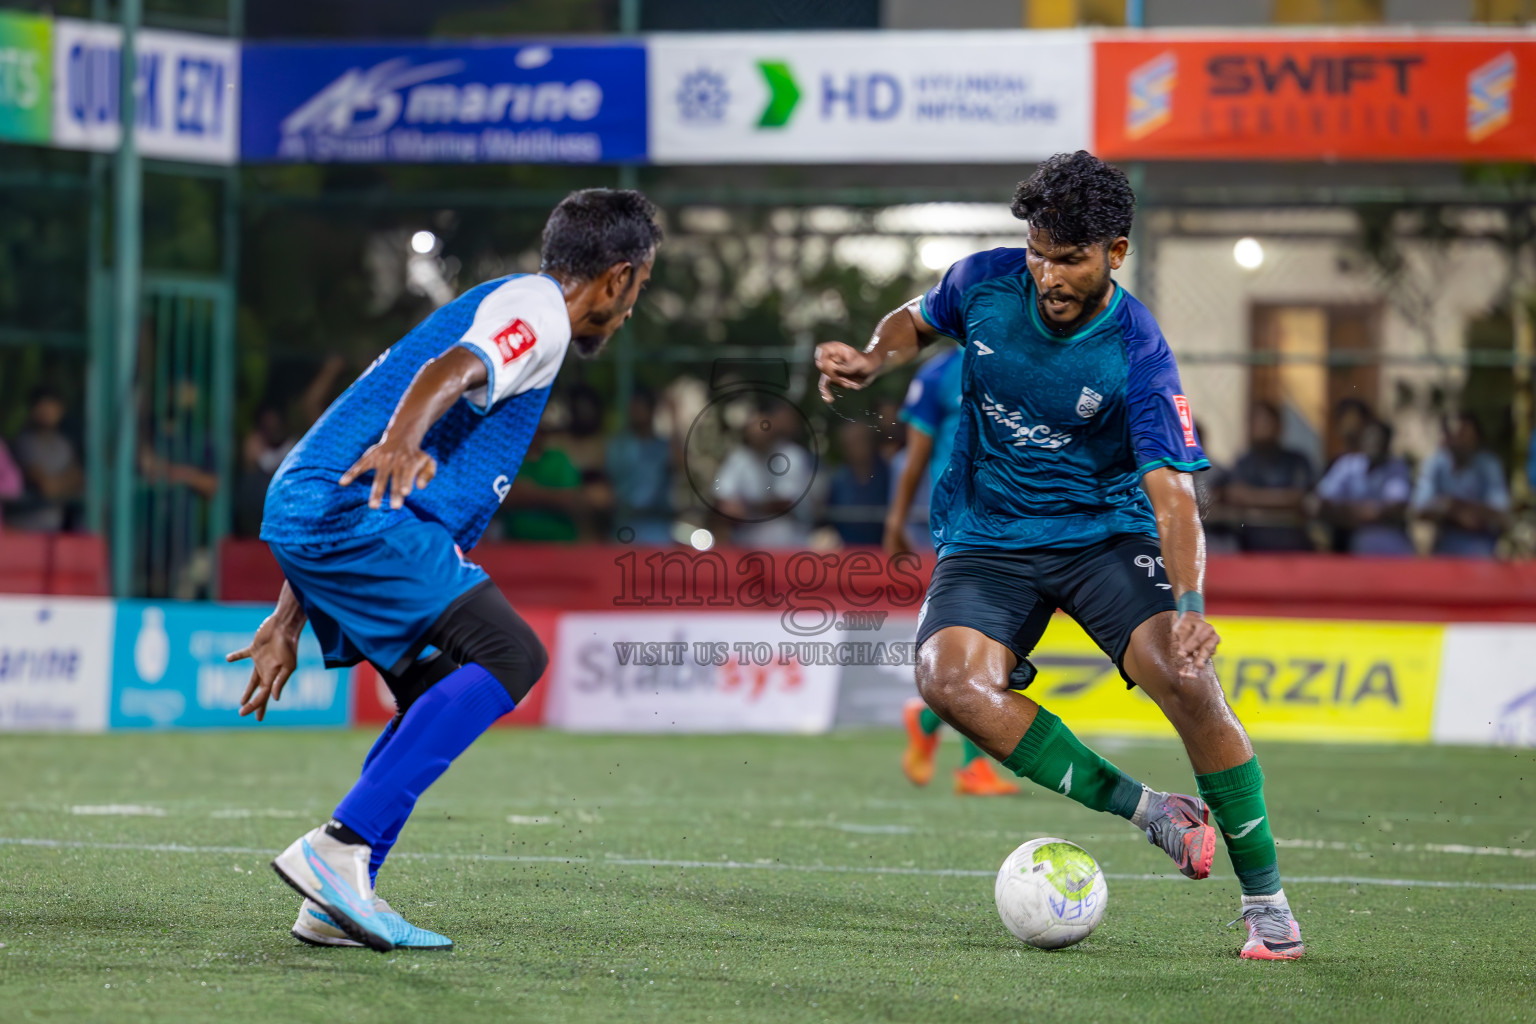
370,515
1070,488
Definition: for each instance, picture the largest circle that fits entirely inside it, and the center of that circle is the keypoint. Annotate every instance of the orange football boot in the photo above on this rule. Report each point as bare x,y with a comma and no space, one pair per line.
980,779
917,760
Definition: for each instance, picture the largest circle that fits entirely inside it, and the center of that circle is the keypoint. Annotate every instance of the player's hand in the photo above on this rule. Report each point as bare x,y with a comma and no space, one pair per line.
274,654
1194,642
895,539
842,366
397,468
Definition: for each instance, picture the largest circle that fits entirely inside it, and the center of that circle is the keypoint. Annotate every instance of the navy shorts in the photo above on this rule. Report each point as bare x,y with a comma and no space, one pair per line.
376,597
1109,588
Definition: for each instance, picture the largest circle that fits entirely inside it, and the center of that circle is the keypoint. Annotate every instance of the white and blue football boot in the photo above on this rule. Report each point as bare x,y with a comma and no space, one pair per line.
315,927
334,875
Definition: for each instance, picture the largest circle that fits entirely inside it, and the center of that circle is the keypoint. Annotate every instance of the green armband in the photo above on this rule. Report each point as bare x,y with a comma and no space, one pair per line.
1190,601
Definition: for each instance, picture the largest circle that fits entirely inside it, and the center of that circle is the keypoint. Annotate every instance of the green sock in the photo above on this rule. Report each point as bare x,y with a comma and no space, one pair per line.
929,722
970,752
1236,797
1054,758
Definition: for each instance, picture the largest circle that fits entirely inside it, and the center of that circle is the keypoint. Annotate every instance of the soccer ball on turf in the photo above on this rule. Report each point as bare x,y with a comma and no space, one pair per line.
1050,893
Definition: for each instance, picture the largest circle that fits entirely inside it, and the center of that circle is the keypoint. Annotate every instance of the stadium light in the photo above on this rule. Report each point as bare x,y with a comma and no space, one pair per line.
423,242
701,539
1248,253
939,253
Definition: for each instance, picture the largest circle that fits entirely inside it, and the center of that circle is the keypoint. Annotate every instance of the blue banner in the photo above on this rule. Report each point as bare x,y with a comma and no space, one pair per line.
504,103
168,671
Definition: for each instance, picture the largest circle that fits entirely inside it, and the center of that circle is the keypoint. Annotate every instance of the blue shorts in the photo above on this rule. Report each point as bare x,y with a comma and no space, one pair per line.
375,597
1109,588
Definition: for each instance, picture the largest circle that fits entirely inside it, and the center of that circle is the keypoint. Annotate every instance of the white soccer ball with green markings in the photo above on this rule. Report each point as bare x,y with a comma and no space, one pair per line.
1050,893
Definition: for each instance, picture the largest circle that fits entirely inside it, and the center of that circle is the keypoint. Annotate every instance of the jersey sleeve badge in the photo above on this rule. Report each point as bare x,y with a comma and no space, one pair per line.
1186,420
514,340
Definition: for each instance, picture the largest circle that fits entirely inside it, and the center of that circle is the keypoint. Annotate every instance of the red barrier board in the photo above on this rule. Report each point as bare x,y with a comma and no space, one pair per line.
1346,96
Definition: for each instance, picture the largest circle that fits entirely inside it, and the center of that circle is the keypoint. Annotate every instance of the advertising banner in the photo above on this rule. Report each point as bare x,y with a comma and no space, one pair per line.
169,671
681,672
26,77
1488,686
1288,679
1316,97
187,95
824,97
55,660
495,103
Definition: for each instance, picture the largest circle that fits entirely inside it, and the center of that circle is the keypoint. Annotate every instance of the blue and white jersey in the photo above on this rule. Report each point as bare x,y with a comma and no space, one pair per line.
520,329
1055,432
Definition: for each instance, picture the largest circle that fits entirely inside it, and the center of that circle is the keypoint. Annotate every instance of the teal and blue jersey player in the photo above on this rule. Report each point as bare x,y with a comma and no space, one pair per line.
931,411
371,516
1070,487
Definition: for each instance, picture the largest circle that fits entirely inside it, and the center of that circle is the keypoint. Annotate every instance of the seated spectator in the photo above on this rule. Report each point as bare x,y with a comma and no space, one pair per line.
1461,490
762,484
263,451
856,500
639,468
1267,487
48,462
1365,494
1220,537
10,479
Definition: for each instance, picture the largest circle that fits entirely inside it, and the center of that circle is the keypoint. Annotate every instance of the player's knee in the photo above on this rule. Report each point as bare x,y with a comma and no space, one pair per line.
944,686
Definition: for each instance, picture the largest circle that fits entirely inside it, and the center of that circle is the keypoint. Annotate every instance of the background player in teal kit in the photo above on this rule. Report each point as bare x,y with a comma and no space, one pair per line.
1070,487
931,412
370,515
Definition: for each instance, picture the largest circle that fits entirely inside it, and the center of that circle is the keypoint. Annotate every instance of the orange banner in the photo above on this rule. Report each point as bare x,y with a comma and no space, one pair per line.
1344,97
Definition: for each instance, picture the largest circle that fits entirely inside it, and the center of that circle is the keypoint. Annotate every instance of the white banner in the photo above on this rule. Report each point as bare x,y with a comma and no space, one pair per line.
857,97
187,96
55,663
681,672
1487,690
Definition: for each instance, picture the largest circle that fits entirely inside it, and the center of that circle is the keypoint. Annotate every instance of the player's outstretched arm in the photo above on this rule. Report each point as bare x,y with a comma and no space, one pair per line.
274,654
1183,542
397,462
896,340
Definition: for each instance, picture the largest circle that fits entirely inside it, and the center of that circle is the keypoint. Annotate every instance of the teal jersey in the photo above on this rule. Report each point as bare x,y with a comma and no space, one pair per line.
1055,432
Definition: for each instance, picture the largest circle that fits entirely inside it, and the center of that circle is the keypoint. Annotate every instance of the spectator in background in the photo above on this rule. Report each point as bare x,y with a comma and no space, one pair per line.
762,484
857,497
1365,494
639,468
1461,490
264,450
269,443
1267,487
1220,537
10,479
54,480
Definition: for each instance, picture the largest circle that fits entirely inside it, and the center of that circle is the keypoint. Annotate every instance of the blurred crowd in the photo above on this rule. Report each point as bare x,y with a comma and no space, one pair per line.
771,479
1368,500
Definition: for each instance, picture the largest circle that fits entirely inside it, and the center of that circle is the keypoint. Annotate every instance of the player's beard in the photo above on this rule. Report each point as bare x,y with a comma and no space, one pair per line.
589,346
1086,312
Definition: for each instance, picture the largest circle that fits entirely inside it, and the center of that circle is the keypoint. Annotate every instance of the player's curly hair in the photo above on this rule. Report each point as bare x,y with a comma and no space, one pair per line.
594,228
1077,199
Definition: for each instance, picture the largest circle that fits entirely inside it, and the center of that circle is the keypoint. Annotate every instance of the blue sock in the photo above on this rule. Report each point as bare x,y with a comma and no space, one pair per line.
387,840
440,726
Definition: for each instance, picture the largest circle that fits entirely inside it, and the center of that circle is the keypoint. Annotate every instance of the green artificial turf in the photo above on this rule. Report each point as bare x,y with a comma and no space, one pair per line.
741,878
